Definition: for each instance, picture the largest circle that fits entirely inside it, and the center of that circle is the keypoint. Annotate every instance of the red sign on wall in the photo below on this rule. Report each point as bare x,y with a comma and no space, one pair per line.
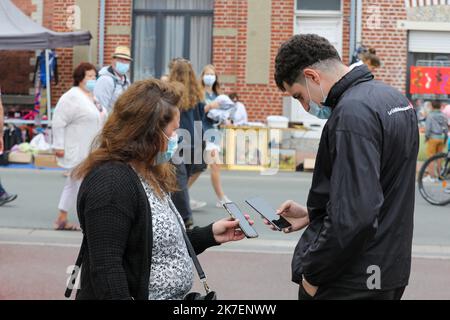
430,80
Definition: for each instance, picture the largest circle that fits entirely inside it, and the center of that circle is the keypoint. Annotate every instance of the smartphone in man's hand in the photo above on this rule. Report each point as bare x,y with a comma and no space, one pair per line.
266,211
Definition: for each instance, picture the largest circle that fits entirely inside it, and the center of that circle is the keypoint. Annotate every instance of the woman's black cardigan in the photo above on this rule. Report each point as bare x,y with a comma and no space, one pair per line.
115,216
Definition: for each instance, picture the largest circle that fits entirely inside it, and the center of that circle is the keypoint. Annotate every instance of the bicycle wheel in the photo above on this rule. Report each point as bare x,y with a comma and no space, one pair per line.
434,179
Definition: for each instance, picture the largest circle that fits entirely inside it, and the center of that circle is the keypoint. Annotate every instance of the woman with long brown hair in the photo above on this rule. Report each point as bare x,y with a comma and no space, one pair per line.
133,245
192,111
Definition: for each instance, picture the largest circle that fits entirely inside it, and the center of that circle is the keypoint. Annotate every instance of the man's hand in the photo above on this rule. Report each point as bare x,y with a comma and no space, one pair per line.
309,288
1,145
296,214
227,230
59,153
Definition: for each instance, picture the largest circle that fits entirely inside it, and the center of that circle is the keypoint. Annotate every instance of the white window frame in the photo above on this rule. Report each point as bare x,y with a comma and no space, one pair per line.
320,14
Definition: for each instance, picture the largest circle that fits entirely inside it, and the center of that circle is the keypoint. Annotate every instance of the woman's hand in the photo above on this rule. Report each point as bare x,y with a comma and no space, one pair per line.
59,153
227,230
212,105
296,214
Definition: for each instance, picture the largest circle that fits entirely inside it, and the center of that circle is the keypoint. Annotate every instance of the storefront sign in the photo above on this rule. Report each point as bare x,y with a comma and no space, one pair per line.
430,80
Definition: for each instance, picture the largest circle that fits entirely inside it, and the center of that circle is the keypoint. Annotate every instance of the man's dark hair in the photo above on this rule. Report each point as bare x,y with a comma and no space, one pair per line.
436,104
299,52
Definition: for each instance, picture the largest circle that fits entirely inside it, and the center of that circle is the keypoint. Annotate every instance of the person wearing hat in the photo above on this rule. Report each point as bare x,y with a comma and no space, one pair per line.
113,79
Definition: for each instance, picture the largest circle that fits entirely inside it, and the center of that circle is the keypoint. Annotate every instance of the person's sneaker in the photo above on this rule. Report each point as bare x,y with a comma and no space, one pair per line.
7,197
428,179
220,203
195,204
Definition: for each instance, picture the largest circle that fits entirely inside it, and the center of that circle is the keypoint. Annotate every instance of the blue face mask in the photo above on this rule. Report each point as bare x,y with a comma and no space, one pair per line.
321,112
90,85
209,80
122,68
172,146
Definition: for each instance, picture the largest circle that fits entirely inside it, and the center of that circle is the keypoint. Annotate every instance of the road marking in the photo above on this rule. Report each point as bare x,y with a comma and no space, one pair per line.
40,237
299,178
254,249
39,244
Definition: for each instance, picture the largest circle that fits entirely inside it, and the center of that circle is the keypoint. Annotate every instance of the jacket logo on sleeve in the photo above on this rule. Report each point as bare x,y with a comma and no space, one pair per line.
399,109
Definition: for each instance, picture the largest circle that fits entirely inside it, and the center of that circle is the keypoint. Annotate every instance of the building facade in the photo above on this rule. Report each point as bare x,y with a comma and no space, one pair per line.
240,37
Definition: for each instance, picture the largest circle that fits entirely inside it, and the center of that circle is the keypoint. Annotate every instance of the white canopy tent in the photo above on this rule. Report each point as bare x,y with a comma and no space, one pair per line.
19,32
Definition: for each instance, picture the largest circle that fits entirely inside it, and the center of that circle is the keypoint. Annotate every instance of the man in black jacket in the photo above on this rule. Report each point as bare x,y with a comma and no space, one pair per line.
360,206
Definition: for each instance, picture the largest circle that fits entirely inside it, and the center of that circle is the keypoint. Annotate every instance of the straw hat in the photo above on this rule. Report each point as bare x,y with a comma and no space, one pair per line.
122,52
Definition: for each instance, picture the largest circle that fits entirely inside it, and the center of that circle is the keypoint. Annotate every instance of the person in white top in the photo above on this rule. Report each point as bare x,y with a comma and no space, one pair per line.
239,117
446,110
77,120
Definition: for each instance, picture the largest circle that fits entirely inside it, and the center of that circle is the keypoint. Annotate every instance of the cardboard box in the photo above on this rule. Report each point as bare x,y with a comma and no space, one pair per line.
45,161
20,157
283,159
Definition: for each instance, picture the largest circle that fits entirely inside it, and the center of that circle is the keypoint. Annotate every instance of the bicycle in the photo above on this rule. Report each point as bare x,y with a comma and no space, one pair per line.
434,179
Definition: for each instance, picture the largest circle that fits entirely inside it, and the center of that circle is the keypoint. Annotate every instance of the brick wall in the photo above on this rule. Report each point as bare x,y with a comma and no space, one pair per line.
117,13
57,21
15,68
228,51
229,54
380,31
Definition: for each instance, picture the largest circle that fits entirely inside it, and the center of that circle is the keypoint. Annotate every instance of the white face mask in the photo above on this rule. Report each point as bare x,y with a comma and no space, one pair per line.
209,79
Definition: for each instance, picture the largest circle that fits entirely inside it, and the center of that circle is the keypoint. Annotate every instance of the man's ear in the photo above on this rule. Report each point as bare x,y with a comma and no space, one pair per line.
312,74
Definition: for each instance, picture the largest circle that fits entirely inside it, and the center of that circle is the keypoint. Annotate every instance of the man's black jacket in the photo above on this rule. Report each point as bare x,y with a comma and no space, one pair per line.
361,202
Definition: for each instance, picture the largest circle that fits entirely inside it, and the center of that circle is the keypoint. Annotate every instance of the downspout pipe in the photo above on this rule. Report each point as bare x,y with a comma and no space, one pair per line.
101,35
358,23
352,29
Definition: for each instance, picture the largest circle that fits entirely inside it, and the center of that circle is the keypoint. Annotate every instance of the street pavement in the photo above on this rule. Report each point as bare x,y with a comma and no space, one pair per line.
34,259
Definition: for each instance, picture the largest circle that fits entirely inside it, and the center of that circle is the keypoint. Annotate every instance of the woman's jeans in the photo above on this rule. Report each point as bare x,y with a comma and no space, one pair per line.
180,198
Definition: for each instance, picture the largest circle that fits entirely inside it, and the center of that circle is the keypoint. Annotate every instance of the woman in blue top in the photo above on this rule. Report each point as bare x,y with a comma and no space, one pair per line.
209,81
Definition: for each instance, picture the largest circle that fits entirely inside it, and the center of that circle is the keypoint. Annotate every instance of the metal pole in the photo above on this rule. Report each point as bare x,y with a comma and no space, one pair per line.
352,29
358,23
101,37
47,82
